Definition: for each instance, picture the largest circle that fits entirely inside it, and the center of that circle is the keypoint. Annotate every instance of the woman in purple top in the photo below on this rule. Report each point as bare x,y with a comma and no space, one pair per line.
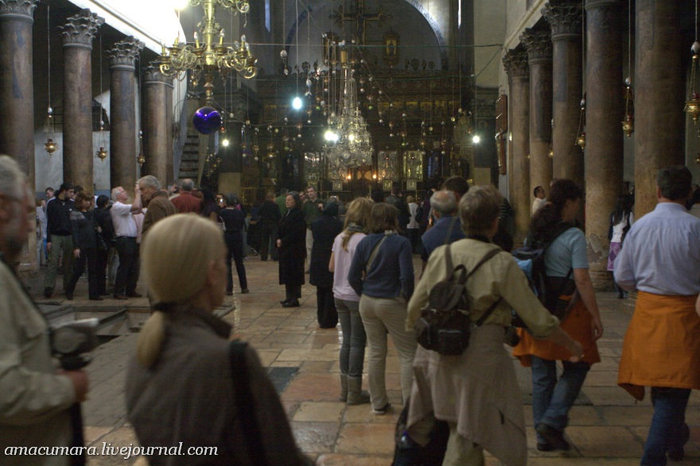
347,302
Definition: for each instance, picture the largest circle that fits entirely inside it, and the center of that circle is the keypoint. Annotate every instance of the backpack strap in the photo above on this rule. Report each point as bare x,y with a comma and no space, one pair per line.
483,260
244,402
449,230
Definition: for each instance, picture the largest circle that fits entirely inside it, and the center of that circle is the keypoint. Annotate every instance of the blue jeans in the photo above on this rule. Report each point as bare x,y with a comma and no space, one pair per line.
551,398
352,350
667,424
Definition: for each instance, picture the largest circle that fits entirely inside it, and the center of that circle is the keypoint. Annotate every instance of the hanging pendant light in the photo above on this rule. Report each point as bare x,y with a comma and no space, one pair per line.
581,134
692,105
49,146
628,120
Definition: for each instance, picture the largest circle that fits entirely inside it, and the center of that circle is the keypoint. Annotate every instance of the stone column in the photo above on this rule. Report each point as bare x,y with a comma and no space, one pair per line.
539,53
16,84
17,98
155,124
604,137
122,102
565,19
515,62
169,140
659,81
78,33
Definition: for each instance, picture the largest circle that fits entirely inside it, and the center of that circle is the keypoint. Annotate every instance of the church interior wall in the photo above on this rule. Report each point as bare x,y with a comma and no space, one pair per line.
489,28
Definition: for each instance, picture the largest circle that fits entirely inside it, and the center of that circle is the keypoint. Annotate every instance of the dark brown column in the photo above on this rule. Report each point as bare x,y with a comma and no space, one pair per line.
122,95
515,62
539,52
658,104
604,137
155,124
567,75
170,142
78,33
16,84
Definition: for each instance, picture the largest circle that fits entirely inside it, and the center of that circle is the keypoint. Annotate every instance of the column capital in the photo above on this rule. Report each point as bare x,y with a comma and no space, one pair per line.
80,29
538,45
594,4
123,54
515,63
21,9
565,18
152,75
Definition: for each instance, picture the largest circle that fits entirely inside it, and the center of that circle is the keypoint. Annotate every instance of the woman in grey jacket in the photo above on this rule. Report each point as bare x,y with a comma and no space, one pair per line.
180,390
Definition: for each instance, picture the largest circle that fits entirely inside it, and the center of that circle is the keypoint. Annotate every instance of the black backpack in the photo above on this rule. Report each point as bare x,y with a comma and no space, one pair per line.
551,291
445,324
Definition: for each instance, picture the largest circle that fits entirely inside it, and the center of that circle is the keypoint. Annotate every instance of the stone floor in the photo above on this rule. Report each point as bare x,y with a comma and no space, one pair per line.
607,426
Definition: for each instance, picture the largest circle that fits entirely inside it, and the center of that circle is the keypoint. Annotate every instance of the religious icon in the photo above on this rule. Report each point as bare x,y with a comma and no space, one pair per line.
391,48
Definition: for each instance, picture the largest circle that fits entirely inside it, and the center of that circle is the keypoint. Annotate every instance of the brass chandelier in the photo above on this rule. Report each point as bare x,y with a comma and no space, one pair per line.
211,55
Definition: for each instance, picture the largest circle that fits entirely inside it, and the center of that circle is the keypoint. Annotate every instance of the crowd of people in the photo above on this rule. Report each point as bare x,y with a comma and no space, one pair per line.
360,259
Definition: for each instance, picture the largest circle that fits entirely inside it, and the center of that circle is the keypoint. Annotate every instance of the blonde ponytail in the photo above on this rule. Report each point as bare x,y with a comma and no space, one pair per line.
151,338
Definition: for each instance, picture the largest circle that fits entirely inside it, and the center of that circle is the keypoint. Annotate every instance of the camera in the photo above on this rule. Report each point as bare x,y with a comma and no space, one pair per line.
70,342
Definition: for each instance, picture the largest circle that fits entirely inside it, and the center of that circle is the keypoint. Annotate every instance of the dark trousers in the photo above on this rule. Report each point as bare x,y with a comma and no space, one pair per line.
268,234
87,257
234,243
325,307
101,270
668,431
128,271
292,291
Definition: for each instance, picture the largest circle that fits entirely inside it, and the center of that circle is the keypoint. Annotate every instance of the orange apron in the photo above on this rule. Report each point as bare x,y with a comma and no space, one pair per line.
662,345
577,324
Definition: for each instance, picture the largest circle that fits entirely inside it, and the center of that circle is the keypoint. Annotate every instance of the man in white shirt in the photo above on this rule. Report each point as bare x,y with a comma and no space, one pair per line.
125,233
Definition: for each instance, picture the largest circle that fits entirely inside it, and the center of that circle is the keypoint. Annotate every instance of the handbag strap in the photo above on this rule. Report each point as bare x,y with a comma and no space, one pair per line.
373,254
244,402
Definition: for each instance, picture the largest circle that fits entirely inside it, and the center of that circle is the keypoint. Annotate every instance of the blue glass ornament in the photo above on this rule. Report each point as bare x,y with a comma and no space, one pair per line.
206,120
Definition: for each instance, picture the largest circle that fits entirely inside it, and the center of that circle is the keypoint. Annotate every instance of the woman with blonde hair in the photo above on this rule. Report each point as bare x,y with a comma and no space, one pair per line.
188,384
347,302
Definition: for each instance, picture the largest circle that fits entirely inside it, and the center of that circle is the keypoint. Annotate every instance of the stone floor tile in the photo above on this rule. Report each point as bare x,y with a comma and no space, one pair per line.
320,411
629,416
366,438
599,441
313,387
315,437
354,460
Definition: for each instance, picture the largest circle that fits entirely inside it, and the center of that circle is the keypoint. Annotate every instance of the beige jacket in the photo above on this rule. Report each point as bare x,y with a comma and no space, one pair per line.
34,400
499,277
478,390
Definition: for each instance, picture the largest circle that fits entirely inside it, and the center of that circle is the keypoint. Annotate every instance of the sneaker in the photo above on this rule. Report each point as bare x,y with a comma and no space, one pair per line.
555,438
292,303
383,410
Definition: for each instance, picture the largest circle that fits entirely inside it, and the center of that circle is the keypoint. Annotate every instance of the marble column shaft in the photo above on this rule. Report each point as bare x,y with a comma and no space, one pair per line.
659,84
122,90
604,137
539,51
567,74
156,124
78,33
171,176
515,62
17,84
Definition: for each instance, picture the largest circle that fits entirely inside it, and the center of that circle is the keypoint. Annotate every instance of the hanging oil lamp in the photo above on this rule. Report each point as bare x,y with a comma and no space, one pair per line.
581,135
692,105
141,159
628,120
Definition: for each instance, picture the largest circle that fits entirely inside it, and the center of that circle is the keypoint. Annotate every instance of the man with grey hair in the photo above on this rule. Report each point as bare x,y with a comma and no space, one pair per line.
447,228
156,202
125,234
35,399
187,201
